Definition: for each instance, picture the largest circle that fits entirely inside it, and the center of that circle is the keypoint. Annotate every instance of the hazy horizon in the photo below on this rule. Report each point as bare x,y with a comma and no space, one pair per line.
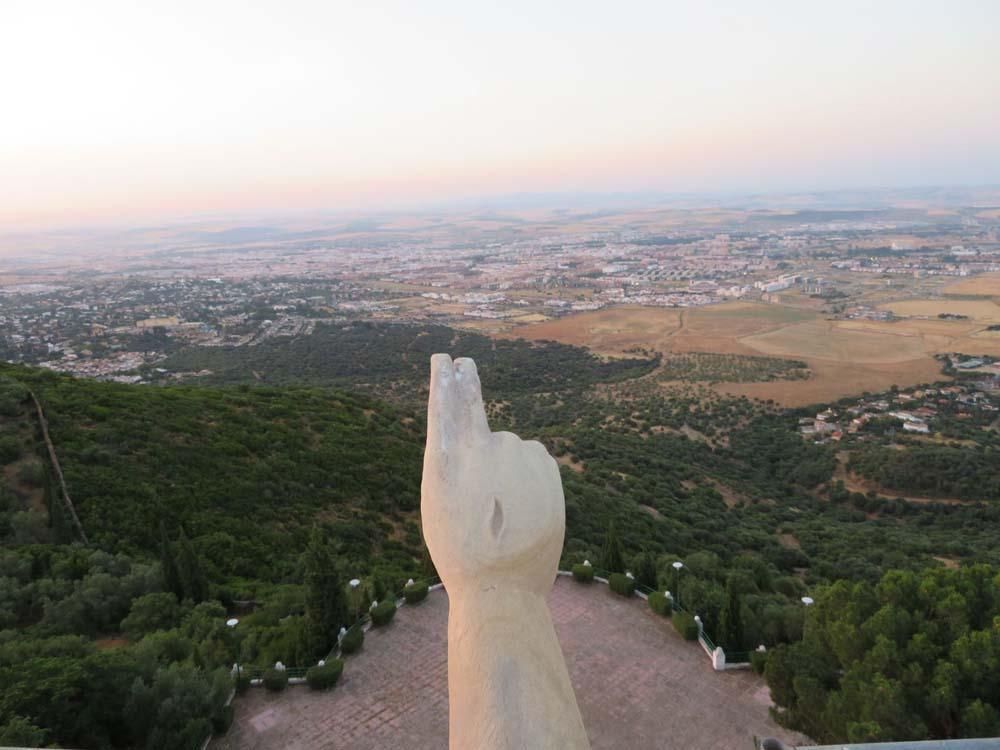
118,113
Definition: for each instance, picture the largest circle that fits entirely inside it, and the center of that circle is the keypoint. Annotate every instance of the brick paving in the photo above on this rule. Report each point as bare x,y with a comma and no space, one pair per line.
638,683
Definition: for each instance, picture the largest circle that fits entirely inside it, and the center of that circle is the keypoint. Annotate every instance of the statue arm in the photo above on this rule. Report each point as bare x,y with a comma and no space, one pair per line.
508,686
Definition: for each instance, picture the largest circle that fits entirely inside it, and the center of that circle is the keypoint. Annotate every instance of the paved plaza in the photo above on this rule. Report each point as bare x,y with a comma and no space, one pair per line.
639,686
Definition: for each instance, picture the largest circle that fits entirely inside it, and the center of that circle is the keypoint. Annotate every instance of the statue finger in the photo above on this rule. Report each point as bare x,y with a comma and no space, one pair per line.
442,425
472,422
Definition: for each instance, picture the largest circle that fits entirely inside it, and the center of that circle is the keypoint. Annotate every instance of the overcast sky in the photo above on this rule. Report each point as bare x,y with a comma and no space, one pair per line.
155,109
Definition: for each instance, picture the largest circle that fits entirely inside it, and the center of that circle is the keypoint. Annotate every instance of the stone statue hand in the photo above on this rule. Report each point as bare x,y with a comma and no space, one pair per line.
494,520
492,504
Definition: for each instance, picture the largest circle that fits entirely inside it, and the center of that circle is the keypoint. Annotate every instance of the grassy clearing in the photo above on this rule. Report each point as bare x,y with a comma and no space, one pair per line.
732,368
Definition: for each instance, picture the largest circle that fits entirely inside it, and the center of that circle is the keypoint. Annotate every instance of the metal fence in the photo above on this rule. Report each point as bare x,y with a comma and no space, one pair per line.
736,658
257,673
364,622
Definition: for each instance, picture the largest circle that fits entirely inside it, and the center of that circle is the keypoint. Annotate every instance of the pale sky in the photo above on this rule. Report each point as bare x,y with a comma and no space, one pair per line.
152,109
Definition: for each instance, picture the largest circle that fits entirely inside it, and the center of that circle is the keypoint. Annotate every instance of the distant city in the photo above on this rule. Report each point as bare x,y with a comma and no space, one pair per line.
116,314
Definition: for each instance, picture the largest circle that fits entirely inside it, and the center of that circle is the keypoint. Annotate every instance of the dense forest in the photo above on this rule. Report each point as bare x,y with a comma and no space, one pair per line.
192,500
935,470
202,499
914,656
392,358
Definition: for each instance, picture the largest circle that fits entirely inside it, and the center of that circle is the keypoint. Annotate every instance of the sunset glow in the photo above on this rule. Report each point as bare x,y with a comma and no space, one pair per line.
122,109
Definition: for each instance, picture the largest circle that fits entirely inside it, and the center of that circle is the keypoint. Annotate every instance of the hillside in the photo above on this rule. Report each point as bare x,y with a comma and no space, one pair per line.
195,497
245,472
191,499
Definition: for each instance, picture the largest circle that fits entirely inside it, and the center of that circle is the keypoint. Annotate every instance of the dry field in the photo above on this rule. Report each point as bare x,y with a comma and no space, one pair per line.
611,331
978,310
824,339
845,357
722,328
987,285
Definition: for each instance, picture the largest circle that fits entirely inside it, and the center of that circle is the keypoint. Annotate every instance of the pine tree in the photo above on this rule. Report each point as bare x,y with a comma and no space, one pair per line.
612,557
171,576
326,599
192,577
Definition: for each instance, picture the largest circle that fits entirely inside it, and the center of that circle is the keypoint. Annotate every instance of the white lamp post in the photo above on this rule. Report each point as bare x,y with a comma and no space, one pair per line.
677,574
355,596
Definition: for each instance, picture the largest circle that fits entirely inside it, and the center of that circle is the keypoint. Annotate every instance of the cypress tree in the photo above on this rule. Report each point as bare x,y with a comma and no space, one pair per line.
326,599
192,577
731,622
612,557
644,569
427,565
171,576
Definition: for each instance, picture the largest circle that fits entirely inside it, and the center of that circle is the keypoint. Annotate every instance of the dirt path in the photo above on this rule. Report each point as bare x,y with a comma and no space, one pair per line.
54,461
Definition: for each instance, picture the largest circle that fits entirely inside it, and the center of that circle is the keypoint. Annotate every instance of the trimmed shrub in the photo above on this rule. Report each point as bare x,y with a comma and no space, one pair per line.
222,720
685,625
416,592
242,683
659,603
383,613
621,584
352,640
758,660
583,573
275,680
325,677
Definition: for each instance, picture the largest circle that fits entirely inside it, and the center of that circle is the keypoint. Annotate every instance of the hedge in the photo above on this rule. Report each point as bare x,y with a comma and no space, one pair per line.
242,683
415,592
583,573
222,720
352,640
621,584
659,603
275,680
383,613
326,676
685,625
758,661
